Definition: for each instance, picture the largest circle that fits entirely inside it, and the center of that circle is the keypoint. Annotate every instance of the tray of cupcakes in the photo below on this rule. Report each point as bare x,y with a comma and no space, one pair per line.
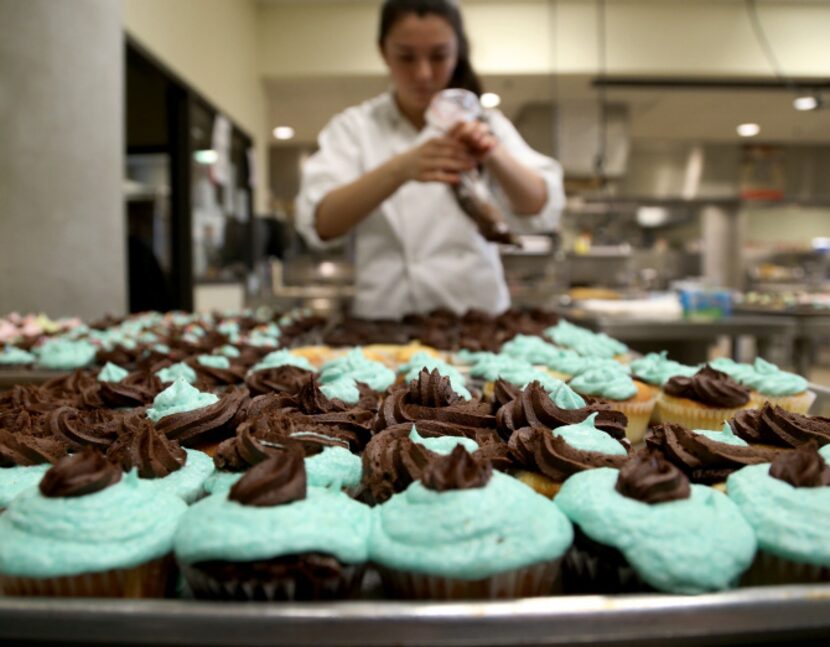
555,491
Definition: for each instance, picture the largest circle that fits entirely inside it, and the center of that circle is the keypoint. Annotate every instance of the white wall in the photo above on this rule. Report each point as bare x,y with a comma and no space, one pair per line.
62,238
212,44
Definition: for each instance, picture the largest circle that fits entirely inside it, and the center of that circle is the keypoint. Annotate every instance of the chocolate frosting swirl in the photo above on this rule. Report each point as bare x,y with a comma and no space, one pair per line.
26,449
282,379
278,480
710,387
801,467
650,478
78,429
773,425
217,421
555,458
701,458
85,472
254,442
137,389
456,471
391,461
140,446
431,397
534,408
212,377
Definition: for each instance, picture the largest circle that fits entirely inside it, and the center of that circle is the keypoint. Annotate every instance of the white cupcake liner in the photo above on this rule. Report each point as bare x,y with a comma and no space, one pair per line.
768,569
152,579
279,589
798,403
531,581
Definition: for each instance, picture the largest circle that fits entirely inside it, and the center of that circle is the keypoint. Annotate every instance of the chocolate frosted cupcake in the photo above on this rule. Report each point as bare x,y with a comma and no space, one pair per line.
702,401
279,372
787,503
78,428
462,531
24,459
396,456
643,527
272,538
705,456
773,426
89,531
162,462
195,419
120,389
431,397
545,458
216,371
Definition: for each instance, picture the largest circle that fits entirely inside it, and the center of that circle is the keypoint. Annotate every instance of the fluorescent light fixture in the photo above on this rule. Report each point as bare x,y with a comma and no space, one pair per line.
206,156
821,244
748,130
490,100
806,102
283,132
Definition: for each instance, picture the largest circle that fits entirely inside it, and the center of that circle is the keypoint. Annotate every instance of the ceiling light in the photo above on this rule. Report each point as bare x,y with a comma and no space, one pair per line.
806,102
206,156
490,100
748,130
283,132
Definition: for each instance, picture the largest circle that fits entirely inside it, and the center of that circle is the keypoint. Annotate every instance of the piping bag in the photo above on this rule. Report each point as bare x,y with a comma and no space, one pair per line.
447,108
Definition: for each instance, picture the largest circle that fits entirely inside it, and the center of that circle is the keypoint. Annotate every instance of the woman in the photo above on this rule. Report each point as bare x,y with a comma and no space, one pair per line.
380,174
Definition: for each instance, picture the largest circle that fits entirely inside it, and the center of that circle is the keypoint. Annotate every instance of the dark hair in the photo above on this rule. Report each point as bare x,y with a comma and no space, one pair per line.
463,76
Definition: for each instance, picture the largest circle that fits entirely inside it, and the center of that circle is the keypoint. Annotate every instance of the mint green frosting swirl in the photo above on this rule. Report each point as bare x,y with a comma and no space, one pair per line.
214,361
112,373
825,453
789,522
563,396
344,388
263,340
229,351
585,437
176,372
422,360
13,356
612,385
584,341
161,348
229,328
465,356
738,371
65,355
468,534
358,367
768,379
443,444
282,358
491,367
326,521
657,368
664,542
726,436
532,349
121,526
188,481
178,398
334,467
16,479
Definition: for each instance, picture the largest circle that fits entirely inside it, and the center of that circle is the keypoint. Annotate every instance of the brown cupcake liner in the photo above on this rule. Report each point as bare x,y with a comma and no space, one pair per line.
671,409
594,568
154,579
285,589
532,581
799,403
769,569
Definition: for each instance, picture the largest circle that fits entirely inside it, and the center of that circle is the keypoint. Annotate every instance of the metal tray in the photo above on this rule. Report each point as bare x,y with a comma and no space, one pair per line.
791,613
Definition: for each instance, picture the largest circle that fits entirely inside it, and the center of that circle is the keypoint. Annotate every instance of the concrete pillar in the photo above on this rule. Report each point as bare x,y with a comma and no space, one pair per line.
723,237
62,229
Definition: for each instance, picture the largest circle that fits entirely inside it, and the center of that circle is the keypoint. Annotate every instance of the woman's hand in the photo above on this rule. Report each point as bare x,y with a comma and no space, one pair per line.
476,137
440,159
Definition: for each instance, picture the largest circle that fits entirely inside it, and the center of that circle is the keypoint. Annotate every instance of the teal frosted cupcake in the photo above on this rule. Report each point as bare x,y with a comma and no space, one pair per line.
411,370
272,538
462,532
586,342
14,357
780,388
643,527
24,459
787,503
65,354
89,531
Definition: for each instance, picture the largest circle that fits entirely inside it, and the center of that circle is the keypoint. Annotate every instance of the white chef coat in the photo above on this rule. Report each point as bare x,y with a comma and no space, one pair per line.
418,250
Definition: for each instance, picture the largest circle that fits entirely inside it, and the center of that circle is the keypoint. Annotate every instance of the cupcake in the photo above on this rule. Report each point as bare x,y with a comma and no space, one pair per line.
586,342
119,389
787,503
705,456
339,378
489,367
462,531
24,459
162,462
779,388
655,369
775,427
88,531
547,457
64,354
273,538
279,372
632,398
196,419
12,357
702,401
410,370
639,528
217,371
537,351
